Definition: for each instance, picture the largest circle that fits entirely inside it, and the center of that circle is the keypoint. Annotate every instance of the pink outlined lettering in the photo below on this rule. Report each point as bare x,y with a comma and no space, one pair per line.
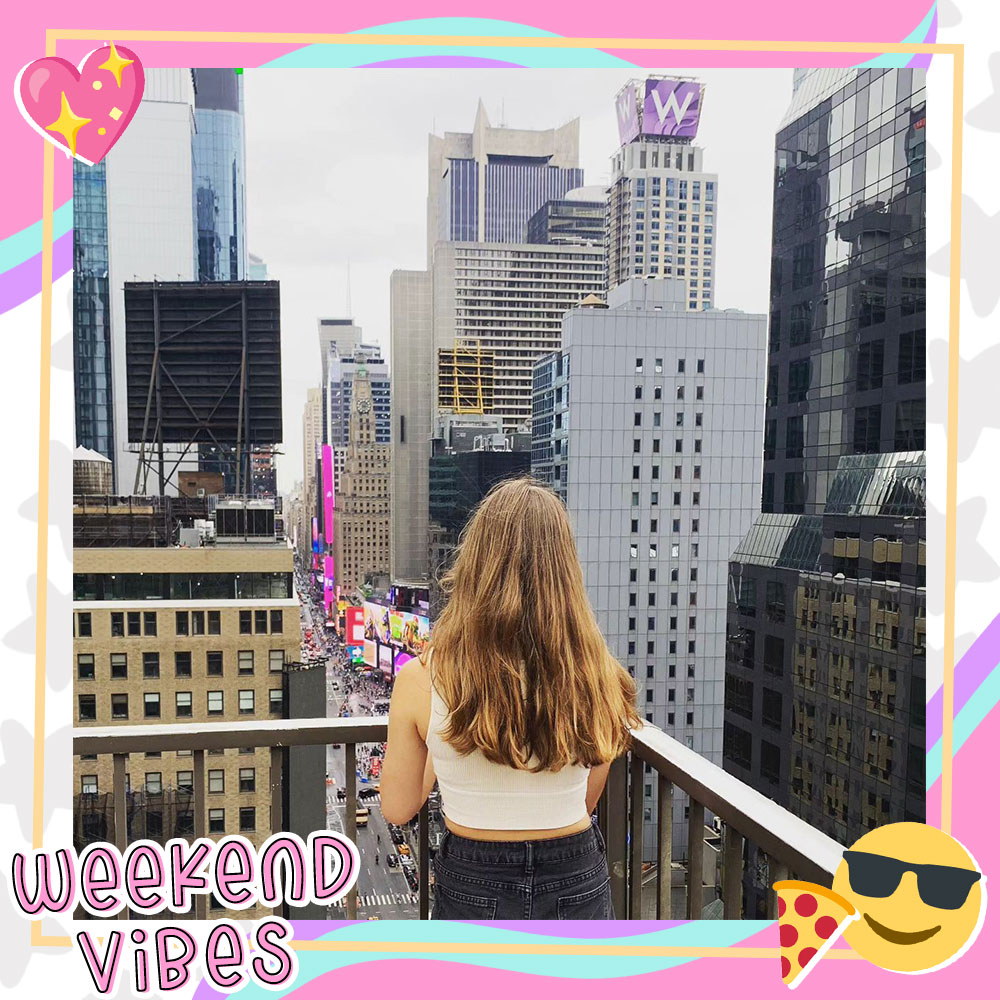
269,937
139,852
99,895
218,964
288,851
44,897
225,878
103,973
173,973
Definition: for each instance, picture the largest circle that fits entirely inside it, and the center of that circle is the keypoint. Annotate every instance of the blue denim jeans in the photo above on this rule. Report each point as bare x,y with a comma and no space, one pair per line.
565,878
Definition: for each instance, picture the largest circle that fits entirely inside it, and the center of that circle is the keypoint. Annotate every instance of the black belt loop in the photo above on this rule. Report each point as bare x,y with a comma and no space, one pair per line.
529,857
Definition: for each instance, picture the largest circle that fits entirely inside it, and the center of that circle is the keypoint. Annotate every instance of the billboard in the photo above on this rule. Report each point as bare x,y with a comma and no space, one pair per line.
392,637
627,112
354,626
328,595
327,464
671,108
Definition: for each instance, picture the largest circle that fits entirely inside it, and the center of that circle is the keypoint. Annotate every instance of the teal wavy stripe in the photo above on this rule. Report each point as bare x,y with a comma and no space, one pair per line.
342,56
701,933
974,711
897,60
22,246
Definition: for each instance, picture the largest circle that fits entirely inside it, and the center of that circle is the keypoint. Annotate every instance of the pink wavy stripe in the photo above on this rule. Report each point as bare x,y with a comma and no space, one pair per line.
24,26
25,281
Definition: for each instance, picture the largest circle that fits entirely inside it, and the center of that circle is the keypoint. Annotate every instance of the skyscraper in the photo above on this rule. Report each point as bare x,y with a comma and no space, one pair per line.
361,540
825,670
219,148
653,419
662,204
484,185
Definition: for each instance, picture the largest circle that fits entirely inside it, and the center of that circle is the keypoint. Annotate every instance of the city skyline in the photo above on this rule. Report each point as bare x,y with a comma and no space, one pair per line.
319,234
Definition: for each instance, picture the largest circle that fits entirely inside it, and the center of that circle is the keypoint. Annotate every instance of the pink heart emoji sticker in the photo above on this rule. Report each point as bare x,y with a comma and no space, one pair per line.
82,111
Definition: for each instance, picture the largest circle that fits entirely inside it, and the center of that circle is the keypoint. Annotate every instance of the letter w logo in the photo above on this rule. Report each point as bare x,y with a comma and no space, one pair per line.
679,110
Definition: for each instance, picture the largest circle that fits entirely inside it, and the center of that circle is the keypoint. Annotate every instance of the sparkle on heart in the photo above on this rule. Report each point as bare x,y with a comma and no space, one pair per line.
83,111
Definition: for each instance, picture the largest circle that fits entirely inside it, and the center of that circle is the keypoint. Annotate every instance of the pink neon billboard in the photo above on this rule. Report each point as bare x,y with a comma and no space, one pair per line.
327,462
328,597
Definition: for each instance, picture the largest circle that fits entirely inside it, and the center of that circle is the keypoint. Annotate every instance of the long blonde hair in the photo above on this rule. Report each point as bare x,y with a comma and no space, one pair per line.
518,657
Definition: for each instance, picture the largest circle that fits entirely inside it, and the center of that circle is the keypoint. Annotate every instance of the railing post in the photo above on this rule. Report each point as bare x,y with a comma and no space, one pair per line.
423,863
636,789
351,818
732,874
664,843
198,808
121,810
776,872
696,859
616,792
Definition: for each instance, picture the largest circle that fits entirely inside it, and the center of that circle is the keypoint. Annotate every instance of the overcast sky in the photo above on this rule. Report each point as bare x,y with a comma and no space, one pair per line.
337,183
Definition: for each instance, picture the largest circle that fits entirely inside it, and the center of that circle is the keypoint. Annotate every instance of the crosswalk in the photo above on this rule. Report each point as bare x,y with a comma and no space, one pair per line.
381,899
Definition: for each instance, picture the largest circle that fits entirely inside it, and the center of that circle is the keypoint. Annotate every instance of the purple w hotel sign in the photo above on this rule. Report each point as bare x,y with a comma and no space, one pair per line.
627,110
672,107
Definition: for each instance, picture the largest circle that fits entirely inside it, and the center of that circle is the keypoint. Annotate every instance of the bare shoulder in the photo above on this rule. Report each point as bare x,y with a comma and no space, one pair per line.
414,678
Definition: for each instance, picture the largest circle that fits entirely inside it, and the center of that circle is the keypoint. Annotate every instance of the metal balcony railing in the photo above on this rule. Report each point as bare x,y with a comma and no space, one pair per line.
792,846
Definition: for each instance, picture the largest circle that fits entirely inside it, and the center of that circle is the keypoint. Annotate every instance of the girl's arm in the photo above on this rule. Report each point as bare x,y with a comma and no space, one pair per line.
404,780
595,785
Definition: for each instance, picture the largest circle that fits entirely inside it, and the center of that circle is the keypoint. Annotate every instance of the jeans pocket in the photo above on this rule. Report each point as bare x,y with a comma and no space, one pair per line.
449,904
593,904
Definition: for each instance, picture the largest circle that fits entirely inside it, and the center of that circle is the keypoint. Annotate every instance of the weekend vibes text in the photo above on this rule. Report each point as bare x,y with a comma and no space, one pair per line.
149,879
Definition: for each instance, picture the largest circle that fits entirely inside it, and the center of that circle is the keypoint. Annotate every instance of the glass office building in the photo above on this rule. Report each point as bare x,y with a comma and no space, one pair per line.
91,311
825,671
219,176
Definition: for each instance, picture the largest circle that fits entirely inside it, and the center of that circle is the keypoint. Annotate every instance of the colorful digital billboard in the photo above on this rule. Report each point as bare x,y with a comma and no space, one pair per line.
392,637
671,108
627,112
328,582
327,465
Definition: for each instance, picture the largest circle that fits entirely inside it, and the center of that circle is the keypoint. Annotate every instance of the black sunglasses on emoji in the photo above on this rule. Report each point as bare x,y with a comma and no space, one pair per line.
940,886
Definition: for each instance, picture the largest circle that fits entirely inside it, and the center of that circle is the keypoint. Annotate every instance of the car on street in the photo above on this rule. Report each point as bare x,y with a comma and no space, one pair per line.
392,861
361,816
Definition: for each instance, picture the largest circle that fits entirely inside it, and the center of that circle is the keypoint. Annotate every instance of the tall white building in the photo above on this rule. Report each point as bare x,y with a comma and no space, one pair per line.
660,468
150,212
662,203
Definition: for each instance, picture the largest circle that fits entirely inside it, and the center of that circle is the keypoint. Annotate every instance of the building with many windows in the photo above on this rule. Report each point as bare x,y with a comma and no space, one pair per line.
484,185
662,203
361,523
825,661
212,635
659,464
577,218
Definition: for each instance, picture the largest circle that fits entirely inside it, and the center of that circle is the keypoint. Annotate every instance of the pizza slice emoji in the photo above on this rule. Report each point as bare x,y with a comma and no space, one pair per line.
810,918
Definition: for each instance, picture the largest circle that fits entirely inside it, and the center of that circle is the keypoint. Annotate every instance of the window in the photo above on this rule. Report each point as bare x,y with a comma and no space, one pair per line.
638,366
180,622
197,622
680,366
154,782
84,625
134,622
697,446
636,446
770,761
149,622
214,623
911,366
213,663
774,654
798,380
736,745
635,471
654,498
117,624
151,704
656,472
637,420
215,703
695,523
638,392
182,704
119,706
119,666
248,779
244,661
910,425
150,664
871,357
216,824
185,781
246,702
678,445
679,420
85,666
246,620
276,660
260,622
248,819
88,707
217,781
771,707
867,429
88,784
680,392
276,700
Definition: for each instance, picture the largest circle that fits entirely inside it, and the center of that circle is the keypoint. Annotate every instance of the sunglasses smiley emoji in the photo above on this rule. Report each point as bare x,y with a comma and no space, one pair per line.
920,894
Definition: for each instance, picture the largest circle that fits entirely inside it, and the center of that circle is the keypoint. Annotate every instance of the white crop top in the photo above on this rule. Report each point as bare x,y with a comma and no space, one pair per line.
482,795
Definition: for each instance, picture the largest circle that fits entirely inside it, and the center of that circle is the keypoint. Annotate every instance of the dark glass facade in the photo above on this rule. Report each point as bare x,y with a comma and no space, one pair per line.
824,697
563,221
91,311
219,176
